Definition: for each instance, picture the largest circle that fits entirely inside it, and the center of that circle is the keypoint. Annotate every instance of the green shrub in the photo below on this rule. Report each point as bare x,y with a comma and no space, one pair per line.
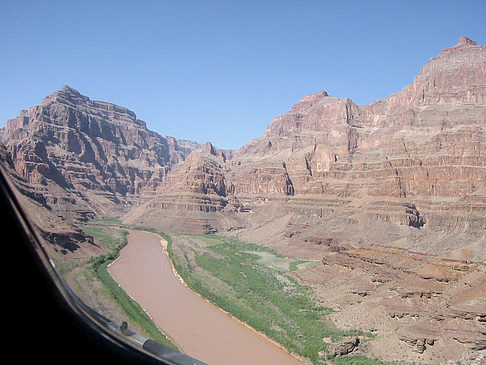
98,266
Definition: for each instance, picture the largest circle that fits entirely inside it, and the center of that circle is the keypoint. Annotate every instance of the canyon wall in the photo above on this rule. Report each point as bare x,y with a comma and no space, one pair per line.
415,160
88,158
389,198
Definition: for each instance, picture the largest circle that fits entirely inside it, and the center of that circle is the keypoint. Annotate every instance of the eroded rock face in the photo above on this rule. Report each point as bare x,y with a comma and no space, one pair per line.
60,238
343,347
410,160
417,303
389,197
99,154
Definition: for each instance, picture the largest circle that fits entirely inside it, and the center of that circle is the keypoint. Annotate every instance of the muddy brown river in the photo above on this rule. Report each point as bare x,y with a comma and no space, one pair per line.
197,327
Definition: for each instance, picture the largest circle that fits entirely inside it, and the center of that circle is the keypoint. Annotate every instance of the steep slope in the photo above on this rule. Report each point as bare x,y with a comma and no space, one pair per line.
390,197
88,157
400,163
194,196
60,238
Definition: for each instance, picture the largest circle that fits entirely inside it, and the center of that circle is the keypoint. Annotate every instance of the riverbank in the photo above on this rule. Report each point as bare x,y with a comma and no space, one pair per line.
115,302
282,314
197,327
166,246
251,283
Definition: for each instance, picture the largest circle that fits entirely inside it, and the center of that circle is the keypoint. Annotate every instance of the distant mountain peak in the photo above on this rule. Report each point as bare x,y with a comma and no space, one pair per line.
69,89
314,97
65,94
464,44
466,41
66,89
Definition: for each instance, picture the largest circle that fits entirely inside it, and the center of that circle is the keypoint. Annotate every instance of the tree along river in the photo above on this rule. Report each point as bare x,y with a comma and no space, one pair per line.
194,325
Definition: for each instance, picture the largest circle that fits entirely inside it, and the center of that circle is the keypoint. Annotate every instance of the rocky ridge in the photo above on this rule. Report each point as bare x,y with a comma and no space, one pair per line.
88,158
389,197
413,160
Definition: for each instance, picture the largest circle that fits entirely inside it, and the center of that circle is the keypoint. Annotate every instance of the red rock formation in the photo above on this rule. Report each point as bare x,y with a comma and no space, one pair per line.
60,238
390,196
99,154
420,148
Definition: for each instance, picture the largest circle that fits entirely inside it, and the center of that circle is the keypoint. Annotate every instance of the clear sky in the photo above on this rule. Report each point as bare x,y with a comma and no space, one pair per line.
221,70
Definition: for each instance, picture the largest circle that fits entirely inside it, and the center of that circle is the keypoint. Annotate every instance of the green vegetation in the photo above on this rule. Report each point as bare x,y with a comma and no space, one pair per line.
114,240
251,283
279,263
109,221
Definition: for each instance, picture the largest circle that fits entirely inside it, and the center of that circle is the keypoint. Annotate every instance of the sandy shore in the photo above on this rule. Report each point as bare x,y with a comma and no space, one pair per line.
196,326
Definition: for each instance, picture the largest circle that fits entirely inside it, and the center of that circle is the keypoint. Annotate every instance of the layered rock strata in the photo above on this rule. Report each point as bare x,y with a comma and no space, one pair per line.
88,157
58,237
422,307
389,198
412,161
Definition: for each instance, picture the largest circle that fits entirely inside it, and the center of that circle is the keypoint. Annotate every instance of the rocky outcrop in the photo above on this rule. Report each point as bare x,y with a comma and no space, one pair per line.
97,153
343,347
314,112
59,238
404,163
389,197
418,303
416,142
195,196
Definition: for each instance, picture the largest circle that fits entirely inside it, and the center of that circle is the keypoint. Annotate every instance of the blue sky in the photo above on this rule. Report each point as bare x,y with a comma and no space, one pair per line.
221,70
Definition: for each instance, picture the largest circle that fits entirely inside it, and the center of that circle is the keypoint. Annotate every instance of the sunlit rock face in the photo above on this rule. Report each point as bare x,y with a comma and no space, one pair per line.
389,197
98,154
422,147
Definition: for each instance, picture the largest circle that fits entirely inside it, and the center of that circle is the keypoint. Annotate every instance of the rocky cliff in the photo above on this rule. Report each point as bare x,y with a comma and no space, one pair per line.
59,237
88,158
389,197
407,162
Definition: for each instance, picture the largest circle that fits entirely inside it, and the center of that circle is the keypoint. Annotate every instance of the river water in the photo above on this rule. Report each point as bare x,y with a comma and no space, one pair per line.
197,327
